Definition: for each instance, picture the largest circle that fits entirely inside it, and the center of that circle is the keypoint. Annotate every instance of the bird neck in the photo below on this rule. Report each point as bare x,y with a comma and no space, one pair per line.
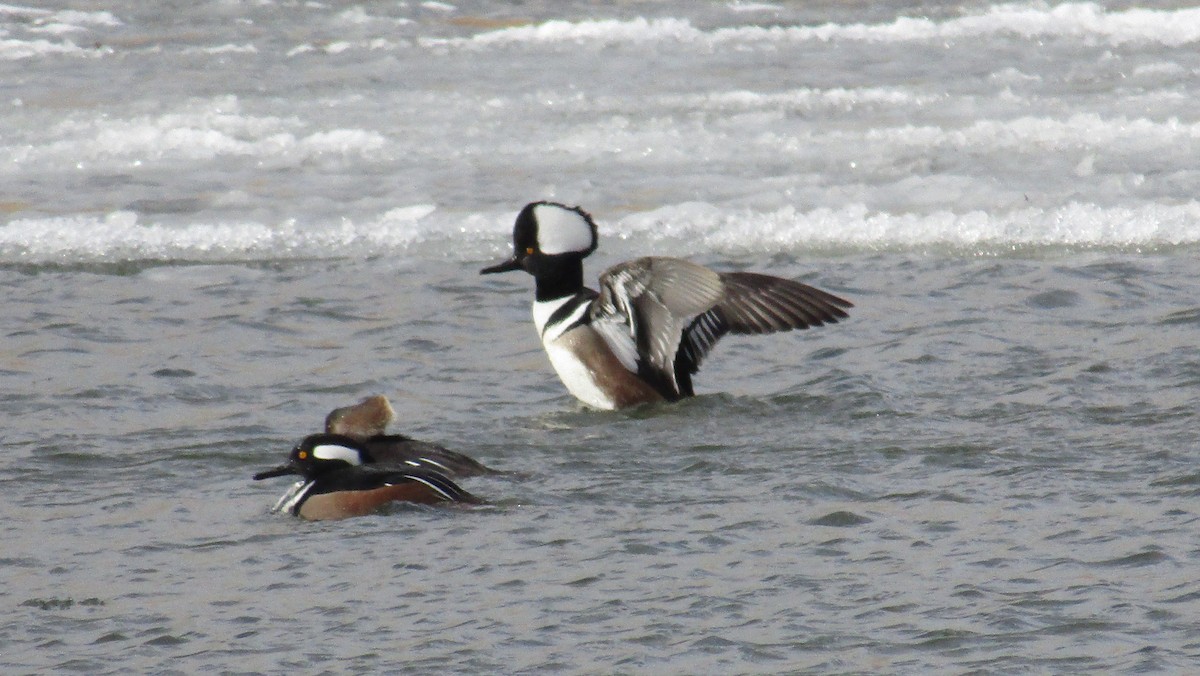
559,276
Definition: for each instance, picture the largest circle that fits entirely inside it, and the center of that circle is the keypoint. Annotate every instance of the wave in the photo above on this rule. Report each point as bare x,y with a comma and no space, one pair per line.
197,130
1087,21
32,25
424,231
205,129
29,32
854,227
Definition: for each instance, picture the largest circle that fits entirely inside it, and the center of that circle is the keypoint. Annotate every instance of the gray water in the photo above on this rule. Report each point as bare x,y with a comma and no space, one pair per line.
990,467
222,221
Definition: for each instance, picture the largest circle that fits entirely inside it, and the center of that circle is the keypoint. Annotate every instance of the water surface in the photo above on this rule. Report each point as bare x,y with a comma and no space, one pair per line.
221,221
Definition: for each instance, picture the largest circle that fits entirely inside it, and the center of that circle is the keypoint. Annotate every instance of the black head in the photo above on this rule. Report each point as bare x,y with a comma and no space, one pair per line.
545,231
317,454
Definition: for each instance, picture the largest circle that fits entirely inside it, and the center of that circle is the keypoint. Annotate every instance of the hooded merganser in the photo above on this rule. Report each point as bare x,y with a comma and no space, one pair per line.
366,423
643,336
336,484
368,418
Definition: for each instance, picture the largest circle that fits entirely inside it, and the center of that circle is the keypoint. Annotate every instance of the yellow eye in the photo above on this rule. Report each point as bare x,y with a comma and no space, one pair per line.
303,455
529,251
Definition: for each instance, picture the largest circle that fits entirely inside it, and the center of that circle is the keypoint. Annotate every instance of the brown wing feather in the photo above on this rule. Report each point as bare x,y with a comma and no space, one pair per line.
756,304
676,311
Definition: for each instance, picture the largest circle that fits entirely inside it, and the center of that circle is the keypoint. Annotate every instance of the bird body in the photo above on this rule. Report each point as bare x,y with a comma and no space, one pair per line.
644,334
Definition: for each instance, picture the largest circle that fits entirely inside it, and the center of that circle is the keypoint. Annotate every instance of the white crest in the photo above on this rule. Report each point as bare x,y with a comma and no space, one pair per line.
561,230
336,452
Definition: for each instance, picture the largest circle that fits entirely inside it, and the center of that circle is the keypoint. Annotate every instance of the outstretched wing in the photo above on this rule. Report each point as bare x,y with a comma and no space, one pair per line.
662,316
756,304
643,309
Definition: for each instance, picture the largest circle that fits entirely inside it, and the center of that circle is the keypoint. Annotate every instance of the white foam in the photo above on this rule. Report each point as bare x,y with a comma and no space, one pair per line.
199,130
222,49
15,50
342,46
1003,138
23,27
341,141
1073,144
743,6
1028,21
1082,129
57,29
802,99
604,31
40,16
121,236
23,12
854,227
356,16
86,18
692,228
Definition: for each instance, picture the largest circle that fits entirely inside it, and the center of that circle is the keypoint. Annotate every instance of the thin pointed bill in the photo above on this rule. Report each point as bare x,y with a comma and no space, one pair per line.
282,470
507,266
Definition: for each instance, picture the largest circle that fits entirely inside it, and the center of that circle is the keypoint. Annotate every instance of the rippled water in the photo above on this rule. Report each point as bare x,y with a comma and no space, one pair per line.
991,466
222,221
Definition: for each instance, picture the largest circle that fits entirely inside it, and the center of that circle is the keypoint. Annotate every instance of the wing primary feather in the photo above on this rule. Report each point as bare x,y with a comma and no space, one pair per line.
757,303
699,338
799,311
672,312
820,304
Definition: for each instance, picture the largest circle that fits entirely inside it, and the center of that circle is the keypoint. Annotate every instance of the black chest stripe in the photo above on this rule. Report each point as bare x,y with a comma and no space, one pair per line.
571,307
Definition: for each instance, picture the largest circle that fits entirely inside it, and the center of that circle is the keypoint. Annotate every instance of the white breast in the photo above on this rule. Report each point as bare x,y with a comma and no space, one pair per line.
574,373
578,378
543,310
